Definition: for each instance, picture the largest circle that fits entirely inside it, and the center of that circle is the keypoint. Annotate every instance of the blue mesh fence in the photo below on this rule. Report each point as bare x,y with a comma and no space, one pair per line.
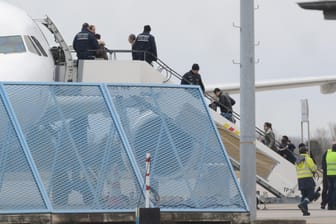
189,167
19,191
77,148
88,143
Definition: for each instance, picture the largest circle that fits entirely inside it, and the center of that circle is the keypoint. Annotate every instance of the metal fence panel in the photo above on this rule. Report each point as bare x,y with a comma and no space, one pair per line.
76,147
19,191
88,143
190,169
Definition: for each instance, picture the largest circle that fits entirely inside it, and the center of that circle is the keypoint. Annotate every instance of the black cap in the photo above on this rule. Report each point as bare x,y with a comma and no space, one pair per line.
302,148
195,67
147,28
216,90
333,146
85,26
285,137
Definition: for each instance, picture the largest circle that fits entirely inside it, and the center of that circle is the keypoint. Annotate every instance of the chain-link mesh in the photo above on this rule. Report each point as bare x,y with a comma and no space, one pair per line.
90,152
18,187
77,147
189,167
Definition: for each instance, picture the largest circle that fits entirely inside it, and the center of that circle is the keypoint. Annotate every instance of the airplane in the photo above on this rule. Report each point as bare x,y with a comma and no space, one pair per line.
328,7
25,56
24,50
23,43
327,85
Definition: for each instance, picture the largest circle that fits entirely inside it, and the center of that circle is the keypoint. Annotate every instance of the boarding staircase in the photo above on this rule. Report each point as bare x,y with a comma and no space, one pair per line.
63,49
274,173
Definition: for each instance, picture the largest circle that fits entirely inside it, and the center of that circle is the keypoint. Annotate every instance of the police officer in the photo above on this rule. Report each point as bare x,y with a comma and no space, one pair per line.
193,77
145,42
331,176
305,169
85,43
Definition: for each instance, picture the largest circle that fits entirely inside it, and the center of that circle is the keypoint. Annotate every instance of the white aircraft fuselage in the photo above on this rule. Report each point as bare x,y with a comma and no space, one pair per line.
24,50
25,56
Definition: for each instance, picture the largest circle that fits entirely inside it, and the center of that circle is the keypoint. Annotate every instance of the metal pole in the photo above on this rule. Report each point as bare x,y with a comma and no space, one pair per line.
247,106
305,119
309,149
302,131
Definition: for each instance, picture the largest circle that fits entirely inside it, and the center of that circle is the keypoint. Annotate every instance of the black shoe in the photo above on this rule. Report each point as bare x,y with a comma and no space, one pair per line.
306,214
323,205
303,209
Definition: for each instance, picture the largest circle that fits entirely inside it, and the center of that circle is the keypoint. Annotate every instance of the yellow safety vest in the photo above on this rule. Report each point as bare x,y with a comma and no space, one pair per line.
305,168
331,163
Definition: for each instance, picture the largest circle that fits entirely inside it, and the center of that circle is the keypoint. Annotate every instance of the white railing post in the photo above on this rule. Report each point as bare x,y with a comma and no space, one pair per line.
147,180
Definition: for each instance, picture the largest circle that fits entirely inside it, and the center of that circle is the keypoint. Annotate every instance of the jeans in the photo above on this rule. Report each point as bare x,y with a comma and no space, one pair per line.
228,116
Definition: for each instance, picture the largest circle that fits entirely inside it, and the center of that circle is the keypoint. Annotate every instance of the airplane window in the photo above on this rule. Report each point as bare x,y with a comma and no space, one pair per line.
11,44
31,46
39,46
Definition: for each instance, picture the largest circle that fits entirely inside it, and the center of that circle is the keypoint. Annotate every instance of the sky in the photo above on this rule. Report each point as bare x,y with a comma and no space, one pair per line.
290,43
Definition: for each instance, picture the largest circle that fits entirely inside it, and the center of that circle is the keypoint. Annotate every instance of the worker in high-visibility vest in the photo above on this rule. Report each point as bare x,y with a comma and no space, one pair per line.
331,176
305,170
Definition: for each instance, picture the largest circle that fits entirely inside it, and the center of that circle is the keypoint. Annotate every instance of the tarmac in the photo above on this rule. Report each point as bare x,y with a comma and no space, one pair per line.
291,214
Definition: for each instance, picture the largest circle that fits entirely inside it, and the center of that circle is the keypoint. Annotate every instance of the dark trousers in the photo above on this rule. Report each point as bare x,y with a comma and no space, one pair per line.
228,116
307,193
324,191
331,192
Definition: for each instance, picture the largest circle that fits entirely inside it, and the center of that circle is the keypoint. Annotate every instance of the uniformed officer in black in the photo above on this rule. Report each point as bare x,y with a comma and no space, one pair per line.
145,42
193,77
85,43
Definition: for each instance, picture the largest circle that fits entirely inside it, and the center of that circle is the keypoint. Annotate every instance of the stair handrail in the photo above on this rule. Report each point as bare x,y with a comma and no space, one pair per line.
171,72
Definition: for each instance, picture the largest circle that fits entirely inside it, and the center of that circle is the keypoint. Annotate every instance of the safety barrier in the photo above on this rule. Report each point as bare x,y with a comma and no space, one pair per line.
76,147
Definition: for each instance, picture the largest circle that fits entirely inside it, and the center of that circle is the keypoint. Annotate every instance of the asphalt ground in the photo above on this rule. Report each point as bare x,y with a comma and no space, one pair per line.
290,213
